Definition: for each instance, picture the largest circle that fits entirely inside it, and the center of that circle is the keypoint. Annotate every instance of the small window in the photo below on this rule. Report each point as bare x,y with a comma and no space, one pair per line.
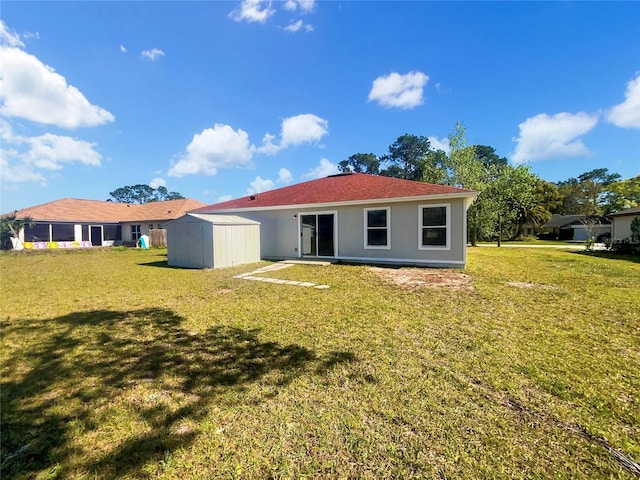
151,226
377,223
135,233
435,227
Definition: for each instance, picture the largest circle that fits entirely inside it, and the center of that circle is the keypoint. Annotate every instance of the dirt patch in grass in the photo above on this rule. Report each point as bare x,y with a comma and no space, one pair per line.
415,278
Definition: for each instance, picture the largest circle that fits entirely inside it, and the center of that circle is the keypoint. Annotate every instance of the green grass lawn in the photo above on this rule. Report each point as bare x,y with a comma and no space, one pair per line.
115,366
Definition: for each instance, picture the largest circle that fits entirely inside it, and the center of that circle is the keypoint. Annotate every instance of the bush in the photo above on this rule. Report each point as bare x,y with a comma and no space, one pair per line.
526,238
627,246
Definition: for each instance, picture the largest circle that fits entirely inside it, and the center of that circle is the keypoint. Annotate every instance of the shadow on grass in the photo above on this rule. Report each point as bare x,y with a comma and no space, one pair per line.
608,255
108,393
159,264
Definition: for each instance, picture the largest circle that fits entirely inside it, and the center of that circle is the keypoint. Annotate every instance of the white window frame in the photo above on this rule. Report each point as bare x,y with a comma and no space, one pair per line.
387,228
447,227
139,232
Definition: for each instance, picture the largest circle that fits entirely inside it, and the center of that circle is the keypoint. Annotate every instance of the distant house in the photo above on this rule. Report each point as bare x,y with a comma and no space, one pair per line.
578,228
355,217
73,222
621,222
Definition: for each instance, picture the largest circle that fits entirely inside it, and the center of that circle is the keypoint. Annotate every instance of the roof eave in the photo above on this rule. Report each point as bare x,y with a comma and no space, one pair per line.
443,196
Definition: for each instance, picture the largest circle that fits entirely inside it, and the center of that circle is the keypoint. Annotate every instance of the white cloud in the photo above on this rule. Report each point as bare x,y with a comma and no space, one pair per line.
401,91
296,130
543,137
26,155
437,144
297,26
627,113
123,49
158,182
9,37
17,172
50,151
284,176
324,169
268,147
305,128
34,91
305,6
260,185
225,198
213,148
153,54
253,11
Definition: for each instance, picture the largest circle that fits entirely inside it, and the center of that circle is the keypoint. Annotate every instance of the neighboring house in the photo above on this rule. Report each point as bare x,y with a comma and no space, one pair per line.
621,222
575,227
73,222
355,217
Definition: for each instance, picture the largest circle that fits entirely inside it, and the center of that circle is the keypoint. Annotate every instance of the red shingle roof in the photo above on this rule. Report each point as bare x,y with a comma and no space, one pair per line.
76,210
343,188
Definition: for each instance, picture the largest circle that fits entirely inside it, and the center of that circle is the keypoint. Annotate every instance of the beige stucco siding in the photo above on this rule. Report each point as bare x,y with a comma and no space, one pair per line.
622,226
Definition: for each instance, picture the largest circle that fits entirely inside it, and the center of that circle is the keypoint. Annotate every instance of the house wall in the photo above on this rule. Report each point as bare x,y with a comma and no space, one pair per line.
279,234
621,226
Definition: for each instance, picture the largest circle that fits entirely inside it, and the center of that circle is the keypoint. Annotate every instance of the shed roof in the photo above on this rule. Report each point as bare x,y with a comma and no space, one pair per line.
78,210
341,188
216,219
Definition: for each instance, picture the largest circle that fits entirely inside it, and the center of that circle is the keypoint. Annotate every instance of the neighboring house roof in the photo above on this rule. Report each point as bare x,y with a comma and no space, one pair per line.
77,210
559,221
626,211
340,189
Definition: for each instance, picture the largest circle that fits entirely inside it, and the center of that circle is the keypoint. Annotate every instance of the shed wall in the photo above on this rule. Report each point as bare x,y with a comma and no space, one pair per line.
190,244
235,245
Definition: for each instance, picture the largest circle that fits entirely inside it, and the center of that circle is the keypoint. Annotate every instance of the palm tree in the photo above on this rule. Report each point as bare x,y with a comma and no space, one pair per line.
10,227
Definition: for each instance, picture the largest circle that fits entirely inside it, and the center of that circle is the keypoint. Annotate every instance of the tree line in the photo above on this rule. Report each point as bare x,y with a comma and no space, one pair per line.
510,197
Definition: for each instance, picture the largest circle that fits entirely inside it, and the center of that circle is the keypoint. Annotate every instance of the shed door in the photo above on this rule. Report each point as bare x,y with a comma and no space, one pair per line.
317,234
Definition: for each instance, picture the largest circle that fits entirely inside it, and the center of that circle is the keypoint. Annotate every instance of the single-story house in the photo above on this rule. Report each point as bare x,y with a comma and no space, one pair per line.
71,222
575,227
356,217
621,222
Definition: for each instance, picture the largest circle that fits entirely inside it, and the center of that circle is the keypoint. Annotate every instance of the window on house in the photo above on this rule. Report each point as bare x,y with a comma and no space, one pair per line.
435,227
61,232
112,232
151,226
135,233
36,233
377,227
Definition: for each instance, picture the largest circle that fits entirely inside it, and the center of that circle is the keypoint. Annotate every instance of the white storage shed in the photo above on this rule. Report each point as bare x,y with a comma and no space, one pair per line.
212,241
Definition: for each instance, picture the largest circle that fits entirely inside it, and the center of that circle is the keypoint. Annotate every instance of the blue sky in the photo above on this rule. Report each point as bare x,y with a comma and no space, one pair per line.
217,100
